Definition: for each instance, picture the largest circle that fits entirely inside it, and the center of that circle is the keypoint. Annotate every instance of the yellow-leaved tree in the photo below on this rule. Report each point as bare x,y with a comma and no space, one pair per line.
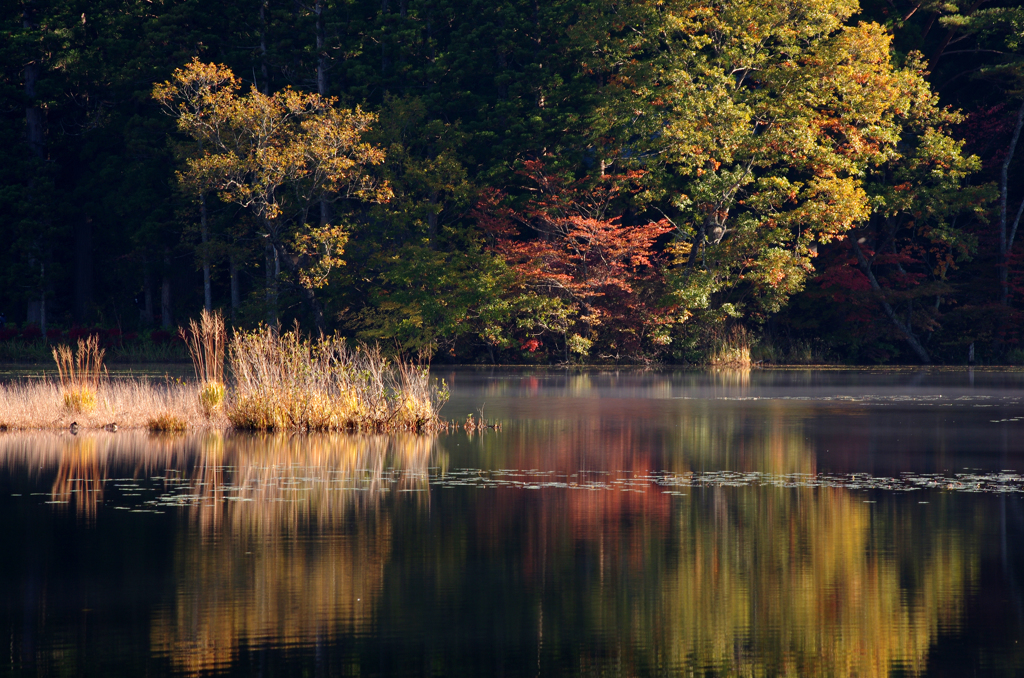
279,155
770,127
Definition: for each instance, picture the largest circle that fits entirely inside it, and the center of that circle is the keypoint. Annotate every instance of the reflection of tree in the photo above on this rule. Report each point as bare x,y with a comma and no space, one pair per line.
276,588
279,549
750,581
292,542
805,584
766,436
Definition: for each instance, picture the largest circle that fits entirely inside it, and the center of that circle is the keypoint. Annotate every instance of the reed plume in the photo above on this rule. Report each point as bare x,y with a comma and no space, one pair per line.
80,373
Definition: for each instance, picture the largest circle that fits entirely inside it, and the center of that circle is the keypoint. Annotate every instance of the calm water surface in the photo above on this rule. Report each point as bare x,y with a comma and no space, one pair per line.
765,523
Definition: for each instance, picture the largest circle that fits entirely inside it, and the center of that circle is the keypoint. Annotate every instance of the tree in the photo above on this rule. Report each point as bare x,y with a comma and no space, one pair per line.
567,243
760,123
278,155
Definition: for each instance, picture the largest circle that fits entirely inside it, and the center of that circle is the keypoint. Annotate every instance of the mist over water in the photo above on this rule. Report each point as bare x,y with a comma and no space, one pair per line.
805,523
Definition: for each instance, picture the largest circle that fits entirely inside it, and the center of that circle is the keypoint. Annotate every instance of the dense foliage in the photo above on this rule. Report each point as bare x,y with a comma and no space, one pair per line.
518,181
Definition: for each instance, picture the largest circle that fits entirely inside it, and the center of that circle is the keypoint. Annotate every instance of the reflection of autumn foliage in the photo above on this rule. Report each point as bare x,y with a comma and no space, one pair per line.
751,581
249,574
263,586
564,241
803,580
746,581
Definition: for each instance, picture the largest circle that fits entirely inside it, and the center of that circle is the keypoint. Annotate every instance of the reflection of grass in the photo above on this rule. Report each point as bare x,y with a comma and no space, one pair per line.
257,493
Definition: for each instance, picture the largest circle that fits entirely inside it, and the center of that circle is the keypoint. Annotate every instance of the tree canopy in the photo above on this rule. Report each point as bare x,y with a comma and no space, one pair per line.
521,181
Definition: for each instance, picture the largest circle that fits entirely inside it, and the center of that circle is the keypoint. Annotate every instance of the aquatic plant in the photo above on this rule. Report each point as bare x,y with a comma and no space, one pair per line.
206,341
80,373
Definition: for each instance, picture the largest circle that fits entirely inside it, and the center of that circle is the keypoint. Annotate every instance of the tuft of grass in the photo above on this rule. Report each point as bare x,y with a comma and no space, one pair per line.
206,341
731,351
80,374
166,422
283,382
80,401
286,381
211,397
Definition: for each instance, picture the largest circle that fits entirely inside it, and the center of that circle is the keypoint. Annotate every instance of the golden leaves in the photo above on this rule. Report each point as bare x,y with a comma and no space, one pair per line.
253,145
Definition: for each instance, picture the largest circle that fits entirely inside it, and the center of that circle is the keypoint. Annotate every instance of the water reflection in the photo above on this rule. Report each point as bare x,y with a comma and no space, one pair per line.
549,548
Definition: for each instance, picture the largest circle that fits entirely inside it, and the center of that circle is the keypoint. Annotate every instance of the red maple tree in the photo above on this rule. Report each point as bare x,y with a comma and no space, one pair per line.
562,242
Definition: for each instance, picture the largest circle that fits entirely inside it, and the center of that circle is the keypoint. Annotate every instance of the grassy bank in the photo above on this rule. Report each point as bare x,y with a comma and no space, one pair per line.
257,381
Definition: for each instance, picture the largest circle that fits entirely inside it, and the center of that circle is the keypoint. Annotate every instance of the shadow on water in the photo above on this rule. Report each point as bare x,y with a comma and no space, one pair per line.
602,535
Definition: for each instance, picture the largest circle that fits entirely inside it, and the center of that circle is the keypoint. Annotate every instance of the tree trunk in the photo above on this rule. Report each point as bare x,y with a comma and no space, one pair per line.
205,234
264,68
235,293
167,318
83,270
273,269
318,311
42,313
147,294
321,83
384,9
321,49
35,130
432,221
1007,232
904,328
35,122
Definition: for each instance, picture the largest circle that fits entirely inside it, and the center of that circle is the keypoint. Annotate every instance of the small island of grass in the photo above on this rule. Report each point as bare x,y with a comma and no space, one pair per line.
280,381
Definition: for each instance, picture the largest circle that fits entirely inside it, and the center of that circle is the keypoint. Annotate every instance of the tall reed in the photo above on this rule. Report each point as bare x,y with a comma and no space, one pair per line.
286,381
206,341
80,373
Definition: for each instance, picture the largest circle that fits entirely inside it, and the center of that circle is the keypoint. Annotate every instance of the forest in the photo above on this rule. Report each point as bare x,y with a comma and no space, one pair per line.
520,182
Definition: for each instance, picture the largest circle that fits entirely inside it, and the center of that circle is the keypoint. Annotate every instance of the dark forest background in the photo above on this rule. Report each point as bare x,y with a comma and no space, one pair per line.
569,181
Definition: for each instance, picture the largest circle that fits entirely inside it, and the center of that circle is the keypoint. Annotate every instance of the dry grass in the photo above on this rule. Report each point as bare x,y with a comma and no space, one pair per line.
281,383
127,403
289,382
732,350
206,341
80,373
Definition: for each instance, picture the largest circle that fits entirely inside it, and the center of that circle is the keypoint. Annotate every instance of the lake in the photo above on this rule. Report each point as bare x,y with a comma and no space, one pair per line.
621,523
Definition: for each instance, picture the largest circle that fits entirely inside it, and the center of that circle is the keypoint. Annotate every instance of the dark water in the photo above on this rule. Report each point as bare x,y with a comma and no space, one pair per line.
781,523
